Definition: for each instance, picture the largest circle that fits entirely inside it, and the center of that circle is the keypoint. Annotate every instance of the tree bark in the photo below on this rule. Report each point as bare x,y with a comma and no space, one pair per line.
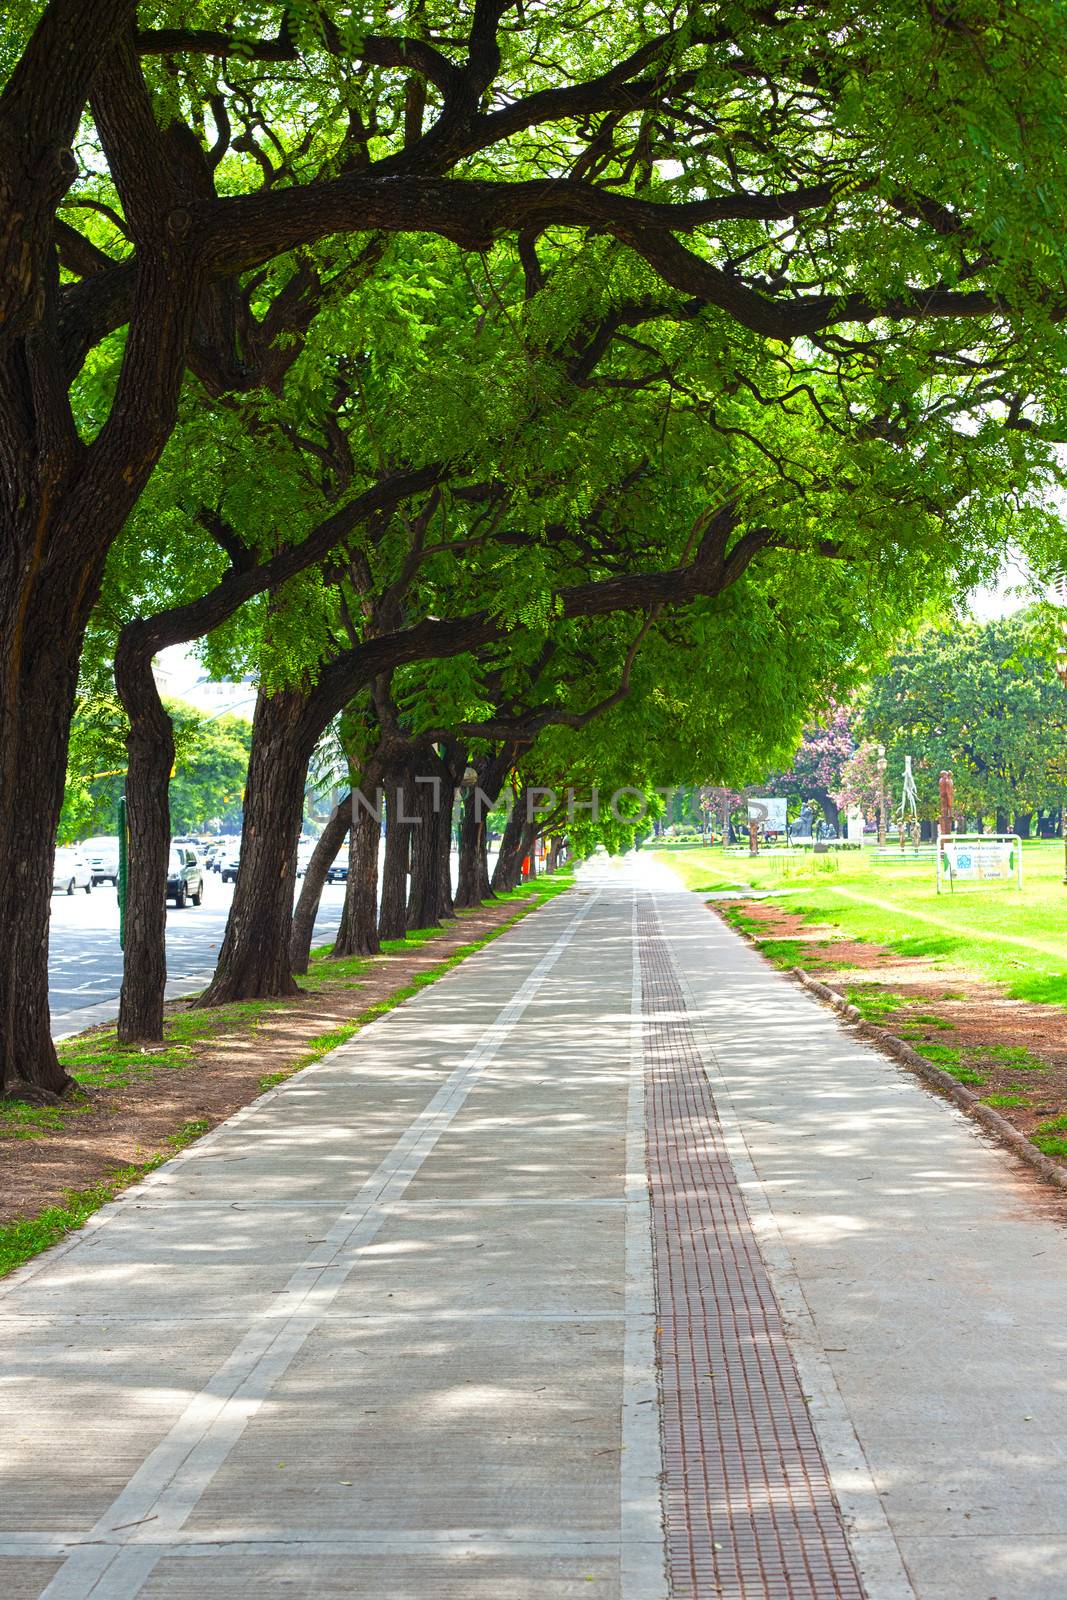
322,859
473,883
149,758
432,787
1021,823
358,933
399,798
254,959
40,676
445,826
508,868
829,809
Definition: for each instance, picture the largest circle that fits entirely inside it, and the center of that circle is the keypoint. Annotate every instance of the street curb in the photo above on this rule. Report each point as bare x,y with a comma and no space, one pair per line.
958,1093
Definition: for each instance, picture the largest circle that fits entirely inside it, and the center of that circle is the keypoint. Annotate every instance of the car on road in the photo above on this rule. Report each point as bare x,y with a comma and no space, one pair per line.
338,872
72,870
185,876
229,865
102,854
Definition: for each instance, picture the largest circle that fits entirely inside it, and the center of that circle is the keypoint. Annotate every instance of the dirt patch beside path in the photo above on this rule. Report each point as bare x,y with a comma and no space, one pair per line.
206,1080
1012,1054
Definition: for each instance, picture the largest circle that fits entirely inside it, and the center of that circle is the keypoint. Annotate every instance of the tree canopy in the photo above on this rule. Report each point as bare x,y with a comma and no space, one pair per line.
351,343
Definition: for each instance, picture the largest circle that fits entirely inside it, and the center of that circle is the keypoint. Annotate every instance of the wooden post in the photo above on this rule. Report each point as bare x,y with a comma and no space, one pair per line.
948,801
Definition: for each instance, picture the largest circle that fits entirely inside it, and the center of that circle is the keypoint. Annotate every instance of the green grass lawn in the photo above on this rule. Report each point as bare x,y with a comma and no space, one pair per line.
1017,939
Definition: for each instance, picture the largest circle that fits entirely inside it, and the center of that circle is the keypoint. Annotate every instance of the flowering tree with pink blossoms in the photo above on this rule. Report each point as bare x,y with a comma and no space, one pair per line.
818,767
860,779
720,804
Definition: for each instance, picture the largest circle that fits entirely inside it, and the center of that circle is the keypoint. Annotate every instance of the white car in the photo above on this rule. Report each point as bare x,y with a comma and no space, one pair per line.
102,855
71,871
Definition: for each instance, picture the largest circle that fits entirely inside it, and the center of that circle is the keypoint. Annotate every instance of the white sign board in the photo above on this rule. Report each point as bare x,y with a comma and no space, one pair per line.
979,858
770,814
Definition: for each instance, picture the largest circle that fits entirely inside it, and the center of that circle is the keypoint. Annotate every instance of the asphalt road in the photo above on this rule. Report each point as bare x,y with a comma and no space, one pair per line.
85,962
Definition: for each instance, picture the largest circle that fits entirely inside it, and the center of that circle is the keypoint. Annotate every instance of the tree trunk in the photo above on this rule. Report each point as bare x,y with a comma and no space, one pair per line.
254,960
149,758
1021,823
1002,821
433,806
829,809
40,673
358,933
509,861
322,859
473,885
393,913
445,828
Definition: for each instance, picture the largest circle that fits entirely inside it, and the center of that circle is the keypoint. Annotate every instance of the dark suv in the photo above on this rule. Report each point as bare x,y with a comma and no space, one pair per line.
185,876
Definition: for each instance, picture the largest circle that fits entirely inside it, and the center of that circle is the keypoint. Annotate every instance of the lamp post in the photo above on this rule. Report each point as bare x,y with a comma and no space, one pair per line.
881,764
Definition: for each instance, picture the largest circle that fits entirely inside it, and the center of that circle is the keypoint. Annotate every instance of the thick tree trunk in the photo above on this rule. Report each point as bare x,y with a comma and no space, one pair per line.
39,676
358,933
1001,822
149,758
254,960
508,868
399,798
322,859
472,885
431,787
445,827
1021,823
829,809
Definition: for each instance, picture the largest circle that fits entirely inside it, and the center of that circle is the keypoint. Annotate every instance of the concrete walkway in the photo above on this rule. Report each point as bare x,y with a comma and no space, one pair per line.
610,1266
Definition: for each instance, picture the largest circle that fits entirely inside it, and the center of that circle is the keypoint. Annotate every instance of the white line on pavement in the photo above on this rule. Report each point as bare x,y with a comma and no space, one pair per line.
166,1488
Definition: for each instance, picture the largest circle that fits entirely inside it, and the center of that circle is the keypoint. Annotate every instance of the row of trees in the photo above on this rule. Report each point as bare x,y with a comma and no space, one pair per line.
981,700
569,395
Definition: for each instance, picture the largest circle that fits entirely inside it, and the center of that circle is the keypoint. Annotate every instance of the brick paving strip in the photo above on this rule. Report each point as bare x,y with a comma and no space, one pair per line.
748,1508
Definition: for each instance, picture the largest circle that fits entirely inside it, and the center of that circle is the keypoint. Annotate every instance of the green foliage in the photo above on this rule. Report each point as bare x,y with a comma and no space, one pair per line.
983,701
211,762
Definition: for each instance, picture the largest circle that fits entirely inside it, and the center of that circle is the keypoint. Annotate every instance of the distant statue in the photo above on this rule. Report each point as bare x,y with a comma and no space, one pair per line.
801,828
826,830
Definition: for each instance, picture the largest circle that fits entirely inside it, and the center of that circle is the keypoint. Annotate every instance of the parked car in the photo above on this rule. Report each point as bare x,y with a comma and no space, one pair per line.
185,876
231,862
72,870
102,854
338,872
